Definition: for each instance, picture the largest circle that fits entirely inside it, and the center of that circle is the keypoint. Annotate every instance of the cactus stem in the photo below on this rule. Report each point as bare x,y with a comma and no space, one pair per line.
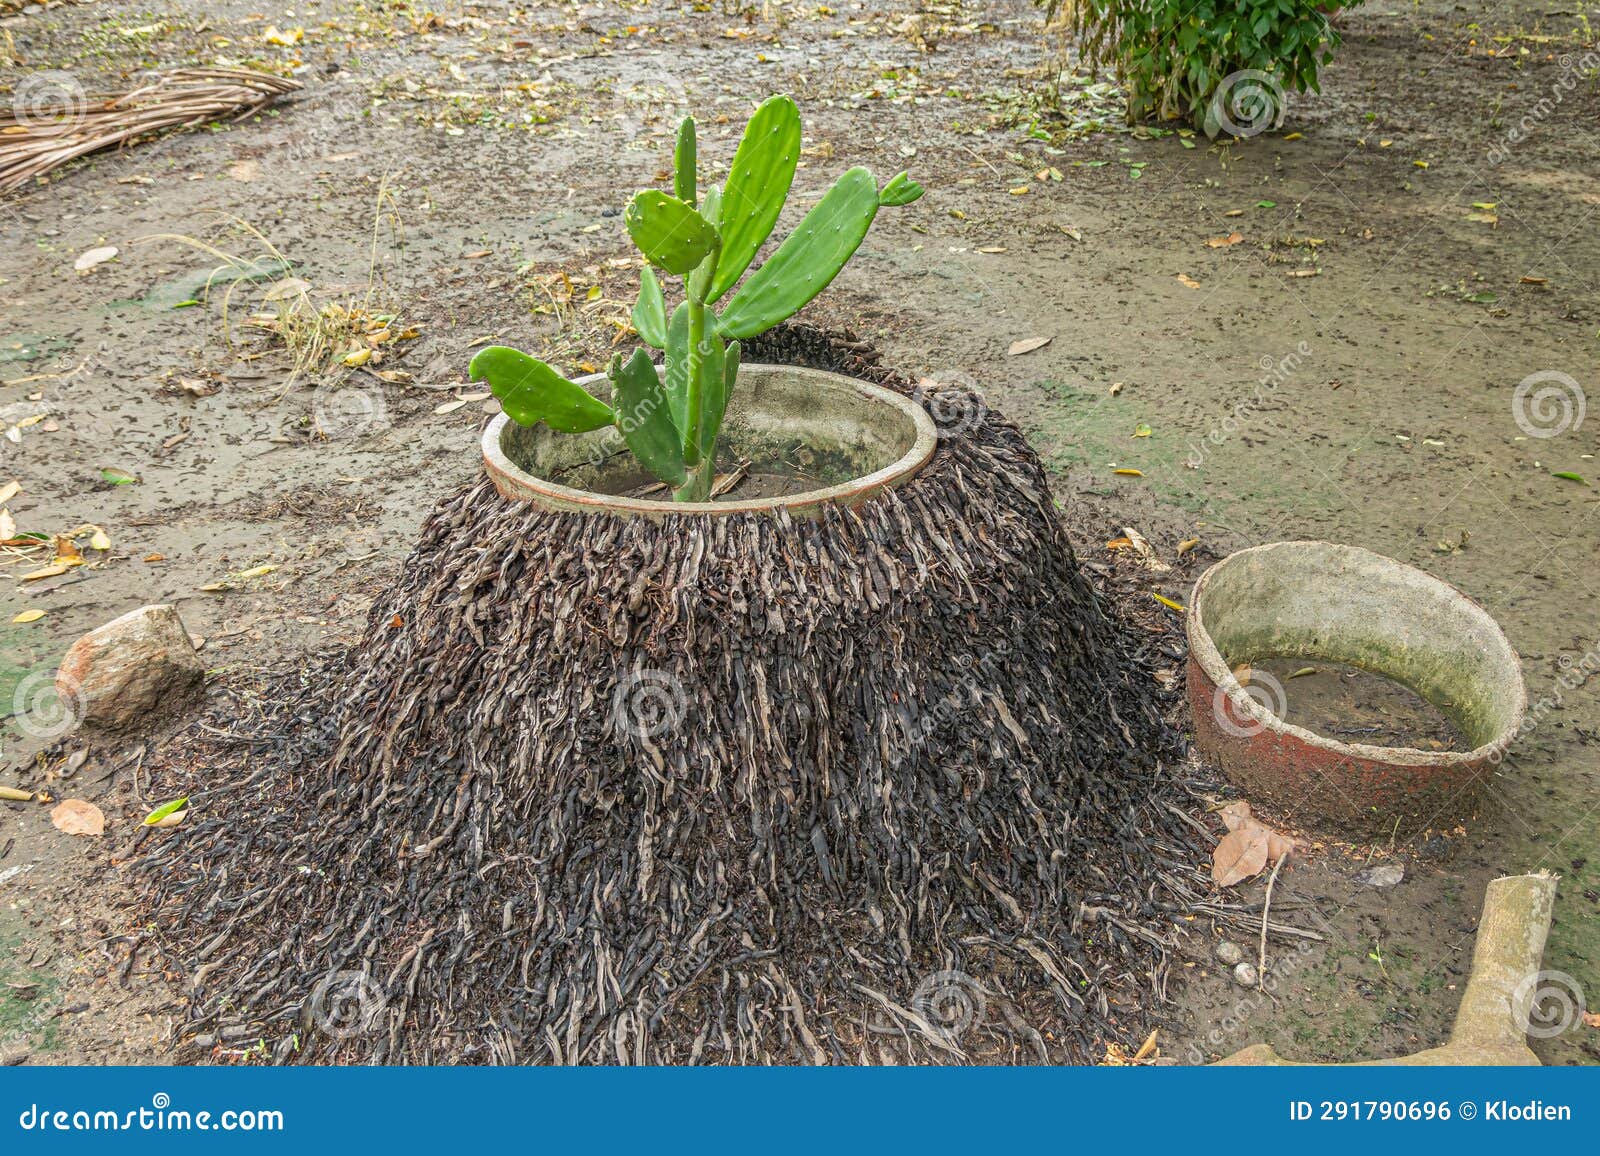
695,296
697,487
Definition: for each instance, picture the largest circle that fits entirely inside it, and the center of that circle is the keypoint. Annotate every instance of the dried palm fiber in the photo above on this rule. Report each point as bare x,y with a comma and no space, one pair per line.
49,123
888,786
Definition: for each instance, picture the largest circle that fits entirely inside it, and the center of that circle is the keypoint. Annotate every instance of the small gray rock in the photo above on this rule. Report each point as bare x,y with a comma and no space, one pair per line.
1229,952
1245,975
1383,875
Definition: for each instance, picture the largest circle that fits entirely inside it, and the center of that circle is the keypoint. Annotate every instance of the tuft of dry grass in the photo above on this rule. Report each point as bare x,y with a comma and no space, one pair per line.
324,332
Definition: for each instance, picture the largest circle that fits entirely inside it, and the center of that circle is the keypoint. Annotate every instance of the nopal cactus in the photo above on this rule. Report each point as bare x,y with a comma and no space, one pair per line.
670,420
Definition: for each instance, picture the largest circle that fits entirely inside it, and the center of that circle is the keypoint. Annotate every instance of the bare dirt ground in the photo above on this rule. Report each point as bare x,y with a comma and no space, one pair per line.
1412,244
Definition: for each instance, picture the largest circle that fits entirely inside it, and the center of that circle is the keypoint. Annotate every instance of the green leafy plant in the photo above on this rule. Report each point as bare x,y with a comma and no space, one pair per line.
671,420
1224,64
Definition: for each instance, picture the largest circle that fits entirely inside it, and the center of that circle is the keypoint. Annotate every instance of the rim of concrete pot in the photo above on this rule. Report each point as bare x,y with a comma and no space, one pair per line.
1337,603
833,440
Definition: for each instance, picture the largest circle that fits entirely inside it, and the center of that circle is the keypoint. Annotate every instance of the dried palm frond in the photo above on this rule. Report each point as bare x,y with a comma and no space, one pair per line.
36,138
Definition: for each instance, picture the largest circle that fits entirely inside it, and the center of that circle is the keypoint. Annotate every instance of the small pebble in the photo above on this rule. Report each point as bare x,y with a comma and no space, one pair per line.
1245,975
1229,952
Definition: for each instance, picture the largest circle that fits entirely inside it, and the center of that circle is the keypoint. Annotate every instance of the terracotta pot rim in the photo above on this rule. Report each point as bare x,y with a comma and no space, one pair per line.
518,484
1209,658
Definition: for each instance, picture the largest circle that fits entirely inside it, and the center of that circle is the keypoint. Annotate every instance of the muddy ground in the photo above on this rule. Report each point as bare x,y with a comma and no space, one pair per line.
1412,244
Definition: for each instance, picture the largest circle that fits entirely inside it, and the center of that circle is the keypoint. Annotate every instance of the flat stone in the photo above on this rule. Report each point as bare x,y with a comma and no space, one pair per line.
132,670
1383,875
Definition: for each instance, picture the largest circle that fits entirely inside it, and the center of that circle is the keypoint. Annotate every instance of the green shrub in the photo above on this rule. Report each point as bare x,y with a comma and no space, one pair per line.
1223,64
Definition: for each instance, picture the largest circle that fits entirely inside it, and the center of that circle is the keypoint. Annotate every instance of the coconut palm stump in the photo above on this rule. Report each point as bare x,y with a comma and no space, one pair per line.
721,789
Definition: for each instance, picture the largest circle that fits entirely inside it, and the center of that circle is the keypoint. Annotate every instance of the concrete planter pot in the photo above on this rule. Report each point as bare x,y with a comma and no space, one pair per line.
1318,600
853,439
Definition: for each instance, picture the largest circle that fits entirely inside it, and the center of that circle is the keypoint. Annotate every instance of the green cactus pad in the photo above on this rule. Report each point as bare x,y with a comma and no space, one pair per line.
714,400
678,366
808,259
650,311
668,231
531,392
901,190
713,394
758,184
683,162
644,418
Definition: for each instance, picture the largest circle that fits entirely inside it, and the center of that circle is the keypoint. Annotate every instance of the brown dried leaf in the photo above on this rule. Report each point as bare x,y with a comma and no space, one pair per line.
77,817
1237,813
1241,855
1027,345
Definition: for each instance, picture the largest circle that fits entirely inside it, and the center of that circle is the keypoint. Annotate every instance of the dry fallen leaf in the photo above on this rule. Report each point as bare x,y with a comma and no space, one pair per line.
94,257
1188,280
10,490
1140,545
77,817
450,406
54,570
1186,545
1224,242
1236,816
1027,345
29,616
1241,855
